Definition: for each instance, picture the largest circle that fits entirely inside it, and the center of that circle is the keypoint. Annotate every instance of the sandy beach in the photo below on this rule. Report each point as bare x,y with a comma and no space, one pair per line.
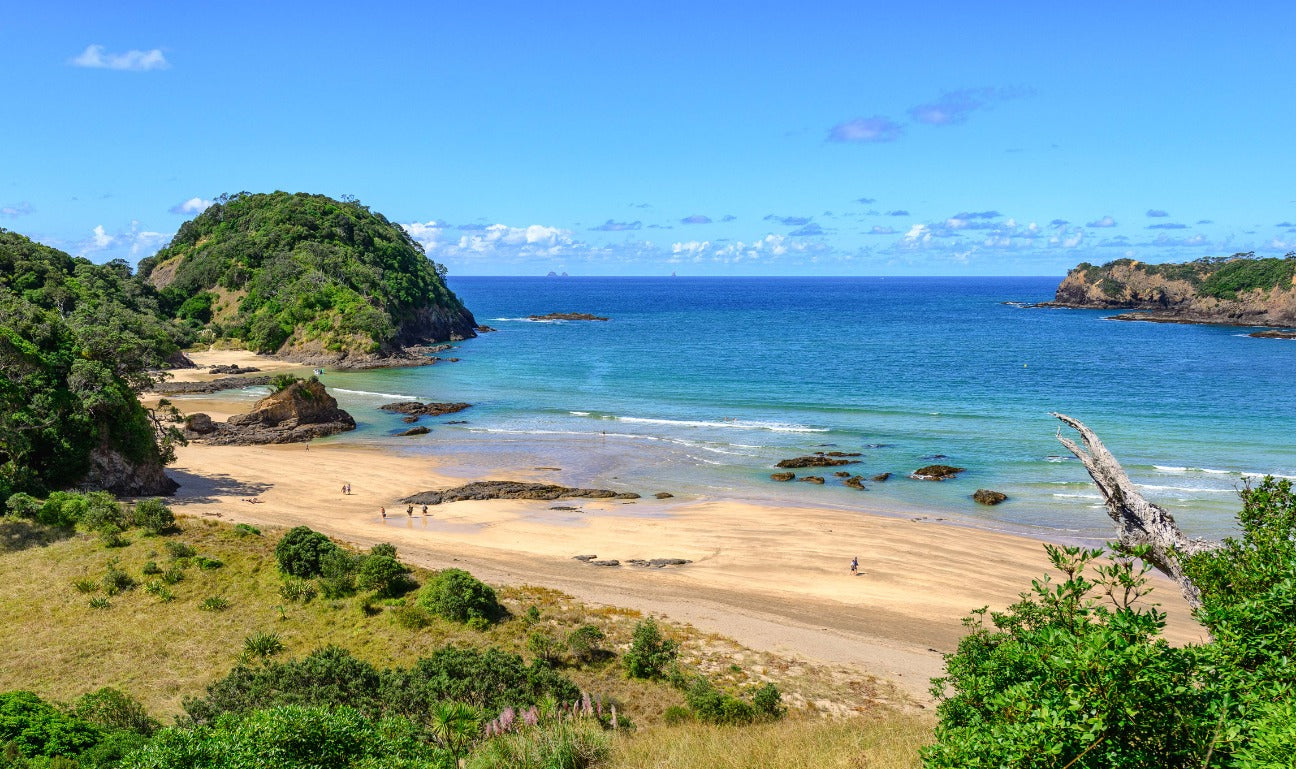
774,578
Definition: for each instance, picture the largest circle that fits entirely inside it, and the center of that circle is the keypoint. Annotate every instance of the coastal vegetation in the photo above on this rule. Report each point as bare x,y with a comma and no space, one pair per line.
304,273
366,677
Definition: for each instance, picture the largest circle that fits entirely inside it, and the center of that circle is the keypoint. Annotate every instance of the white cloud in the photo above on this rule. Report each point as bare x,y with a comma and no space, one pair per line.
21,209
1106,221
191,206
101,239
95,57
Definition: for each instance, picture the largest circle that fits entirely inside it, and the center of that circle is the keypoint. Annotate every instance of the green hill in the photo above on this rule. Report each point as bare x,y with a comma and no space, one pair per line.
76,341
305,276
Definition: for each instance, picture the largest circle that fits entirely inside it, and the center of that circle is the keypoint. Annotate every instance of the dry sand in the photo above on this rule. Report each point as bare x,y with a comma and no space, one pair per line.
241,358
774,578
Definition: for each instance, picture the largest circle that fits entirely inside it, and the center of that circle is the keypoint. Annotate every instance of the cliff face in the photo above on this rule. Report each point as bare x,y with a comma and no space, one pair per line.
1236,291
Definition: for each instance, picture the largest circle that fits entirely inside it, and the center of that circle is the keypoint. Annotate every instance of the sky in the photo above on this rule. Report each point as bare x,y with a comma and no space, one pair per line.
649,138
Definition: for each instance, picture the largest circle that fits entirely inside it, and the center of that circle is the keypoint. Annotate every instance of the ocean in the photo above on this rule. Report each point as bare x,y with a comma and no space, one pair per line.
698,386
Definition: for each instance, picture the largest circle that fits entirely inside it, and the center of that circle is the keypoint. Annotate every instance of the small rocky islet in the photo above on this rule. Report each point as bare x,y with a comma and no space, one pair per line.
298,413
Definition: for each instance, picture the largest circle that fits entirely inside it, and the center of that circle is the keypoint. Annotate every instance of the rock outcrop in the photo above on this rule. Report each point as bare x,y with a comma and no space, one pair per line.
215,385
567,316
420,430
482,490
233,368
417,409
782,477
1236,290
988,497
881,477
936,472
111,471
298,413
817,460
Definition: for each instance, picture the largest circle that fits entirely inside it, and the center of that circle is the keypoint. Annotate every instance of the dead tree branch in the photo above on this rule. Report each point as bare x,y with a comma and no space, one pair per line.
1138,521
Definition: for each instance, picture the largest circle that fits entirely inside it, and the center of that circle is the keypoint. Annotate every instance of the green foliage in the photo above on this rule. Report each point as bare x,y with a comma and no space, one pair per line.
113,709
150,568
153,515
197,307
262,644
208,564
310,270
1064,679
281,382
99,602
583,643
86,586
455,726
77,341
35,728
382,574
177,549
173,575
298,590
768,701
411,617
214,603
1247,274
650,653
713,706
544,647
116,581
383,548
23,506
458,596
301,551
289,737
246,530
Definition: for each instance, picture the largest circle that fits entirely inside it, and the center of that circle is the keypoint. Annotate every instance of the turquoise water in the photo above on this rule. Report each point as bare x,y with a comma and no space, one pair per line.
698,386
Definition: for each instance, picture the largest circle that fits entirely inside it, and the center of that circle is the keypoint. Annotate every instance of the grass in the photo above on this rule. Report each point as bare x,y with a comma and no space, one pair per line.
158,644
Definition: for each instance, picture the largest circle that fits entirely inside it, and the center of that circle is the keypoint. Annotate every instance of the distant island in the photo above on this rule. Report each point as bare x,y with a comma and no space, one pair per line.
1237,290
308,278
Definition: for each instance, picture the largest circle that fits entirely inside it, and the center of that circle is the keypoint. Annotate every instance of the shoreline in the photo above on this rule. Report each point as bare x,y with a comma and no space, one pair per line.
772,578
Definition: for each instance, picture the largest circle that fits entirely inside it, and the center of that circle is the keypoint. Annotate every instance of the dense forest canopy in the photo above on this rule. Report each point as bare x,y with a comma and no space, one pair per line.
76,341
303,272
1222,277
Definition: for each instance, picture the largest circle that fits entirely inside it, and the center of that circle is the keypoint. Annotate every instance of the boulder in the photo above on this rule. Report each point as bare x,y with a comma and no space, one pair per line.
409,420
233,369
782,476
485,329
856,482
881,477
420,430
298,413
663,495
842,474
178,359
839,453
817,460
812,479
988,497
110,470
200,424
936,472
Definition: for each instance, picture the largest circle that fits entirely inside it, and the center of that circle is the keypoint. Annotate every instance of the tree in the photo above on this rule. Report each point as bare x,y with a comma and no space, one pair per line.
153,516
459,596
382,574
583,643
650,654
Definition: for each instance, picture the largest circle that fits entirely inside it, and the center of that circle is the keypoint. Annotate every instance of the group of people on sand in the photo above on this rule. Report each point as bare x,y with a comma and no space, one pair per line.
252,500
346,488
409,511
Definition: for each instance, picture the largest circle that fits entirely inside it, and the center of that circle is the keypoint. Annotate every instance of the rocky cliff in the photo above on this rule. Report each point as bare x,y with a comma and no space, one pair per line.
1236,290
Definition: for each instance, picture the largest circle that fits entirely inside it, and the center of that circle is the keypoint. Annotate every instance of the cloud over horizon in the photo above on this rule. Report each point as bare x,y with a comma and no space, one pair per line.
955,107
865,130
612,226
696,219
1106,221
96,57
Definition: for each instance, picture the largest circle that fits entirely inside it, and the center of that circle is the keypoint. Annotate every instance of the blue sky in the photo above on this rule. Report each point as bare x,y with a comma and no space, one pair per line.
641,139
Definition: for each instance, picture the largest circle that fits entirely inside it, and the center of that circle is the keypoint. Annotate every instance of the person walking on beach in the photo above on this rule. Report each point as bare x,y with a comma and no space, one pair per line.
855,566
409,511
383,510
425,511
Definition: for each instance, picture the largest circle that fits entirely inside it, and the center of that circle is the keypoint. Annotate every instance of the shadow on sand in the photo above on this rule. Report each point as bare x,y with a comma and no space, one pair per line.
206,489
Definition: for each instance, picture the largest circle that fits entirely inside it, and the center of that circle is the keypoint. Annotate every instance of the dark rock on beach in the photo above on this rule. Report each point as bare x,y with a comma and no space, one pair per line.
233,369
842,474
782,476
481,490
812,479
416,408
409,420
936,472
199,424
1273,334
178,359
566,316
610,562
856,482
420,430
988,497
658,563
880,477
298,413
818,460
839,453
485,329
215,385
663,495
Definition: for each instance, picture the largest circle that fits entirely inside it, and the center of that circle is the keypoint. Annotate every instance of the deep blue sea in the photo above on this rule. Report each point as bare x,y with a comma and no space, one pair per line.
697,386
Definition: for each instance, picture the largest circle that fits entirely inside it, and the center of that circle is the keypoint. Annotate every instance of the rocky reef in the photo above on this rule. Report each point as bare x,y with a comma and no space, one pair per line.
483,490
418,409
567,316
935,472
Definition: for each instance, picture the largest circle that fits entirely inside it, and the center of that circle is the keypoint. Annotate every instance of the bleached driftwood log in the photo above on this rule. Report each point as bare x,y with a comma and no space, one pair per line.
1138,521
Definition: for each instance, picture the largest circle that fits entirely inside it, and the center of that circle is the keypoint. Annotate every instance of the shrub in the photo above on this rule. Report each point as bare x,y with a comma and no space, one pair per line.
113,538
263,645
165,596
301,551
459,596
86,585
544,646
32,728
61,508
677,714
180,550
383,548
583,643
214,603
153,516
650,654
558,744
713,706
151,567
382,574
101,512
280,382
23,506
768,701
173,575
113,709
208,564
99,602
244,530
116,581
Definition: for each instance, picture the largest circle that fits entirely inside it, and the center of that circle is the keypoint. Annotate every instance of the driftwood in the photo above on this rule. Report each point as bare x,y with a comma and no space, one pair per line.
1138,521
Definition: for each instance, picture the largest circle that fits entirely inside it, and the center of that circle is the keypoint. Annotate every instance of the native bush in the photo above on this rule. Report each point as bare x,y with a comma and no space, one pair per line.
583,643
297,589
556,744
245,530
150,568
99,602
115,580
180,549
262,644
383,548
458,596
650,654
113,709
544,647
382,574
214,603
34,728
153,516
301,551
23,506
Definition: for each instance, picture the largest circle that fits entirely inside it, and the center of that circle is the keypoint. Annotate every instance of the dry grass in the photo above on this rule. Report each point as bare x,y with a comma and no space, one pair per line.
890,742
160,652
